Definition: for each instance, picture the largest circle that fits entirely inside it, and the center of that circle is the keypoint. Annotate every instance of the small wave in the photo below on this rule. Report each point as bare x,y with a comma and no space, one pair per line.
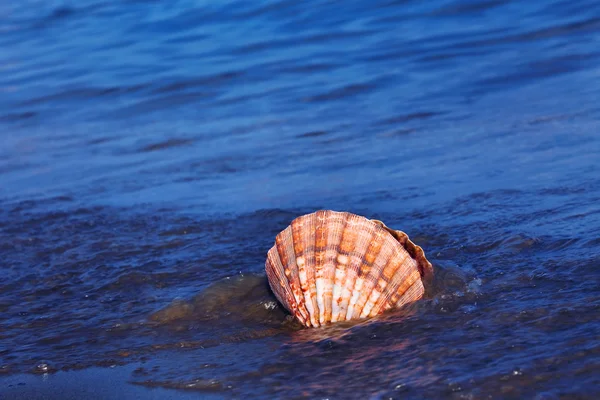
167,144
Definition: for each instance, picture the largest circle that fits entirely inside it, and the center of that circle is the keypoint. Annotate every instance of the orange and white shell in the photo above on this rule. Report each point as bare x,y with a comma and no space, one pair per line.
333,266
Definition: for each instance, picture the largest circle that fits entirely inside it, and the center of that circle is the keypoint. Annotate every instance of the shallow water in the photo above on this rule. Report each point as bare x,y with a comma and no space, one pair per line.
151,151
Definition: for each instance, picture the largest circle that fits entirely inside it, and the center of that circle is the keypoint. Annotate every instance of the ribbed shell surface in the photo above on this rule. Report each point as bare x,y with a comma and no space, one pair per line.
333,266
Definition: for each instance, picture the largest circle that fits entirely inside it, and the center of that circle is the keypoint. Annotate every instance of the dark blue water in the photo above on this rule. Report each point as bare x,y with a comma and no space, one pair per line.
150,152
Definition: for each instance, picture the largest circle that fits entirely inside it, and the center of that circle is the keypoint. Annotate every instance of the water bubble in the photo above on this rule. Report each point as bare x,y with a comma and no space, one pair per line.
474,285
455,387
400,387
468,308
42,367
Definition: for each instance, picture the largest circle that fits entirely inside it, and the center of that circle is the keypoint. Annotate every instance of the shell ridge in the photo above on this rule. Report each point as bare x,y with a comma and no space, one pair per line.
409,271
278,284
367,261
340,273
311,265
303,250
334,237
286,252
416,252
398,272
320,255
369,287
298,248
413,293
378,289
358,247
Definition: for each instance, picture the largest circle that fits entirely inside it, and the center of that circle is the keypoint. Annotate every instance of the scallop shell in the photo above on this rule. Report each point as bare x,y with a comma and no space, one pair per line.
333,266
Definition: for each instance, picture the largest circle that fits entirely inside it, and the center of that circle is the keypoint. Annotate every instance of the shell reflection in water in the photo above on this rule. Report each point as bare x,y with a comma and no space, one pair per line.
333,266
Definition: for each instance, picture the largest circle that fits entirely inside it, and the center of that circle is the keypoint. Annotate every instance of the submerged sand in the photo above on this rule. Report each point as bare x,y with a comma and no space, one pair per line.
92,383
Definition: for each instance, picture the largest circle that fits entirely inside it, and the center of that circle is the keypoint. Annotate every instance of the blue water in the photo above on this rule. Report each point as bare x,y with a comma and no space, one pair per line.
150,150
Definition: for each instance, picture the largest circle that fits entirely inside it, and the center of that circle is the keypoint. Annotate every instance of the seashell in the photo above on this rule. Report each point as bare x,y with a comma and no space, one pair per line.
333,266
